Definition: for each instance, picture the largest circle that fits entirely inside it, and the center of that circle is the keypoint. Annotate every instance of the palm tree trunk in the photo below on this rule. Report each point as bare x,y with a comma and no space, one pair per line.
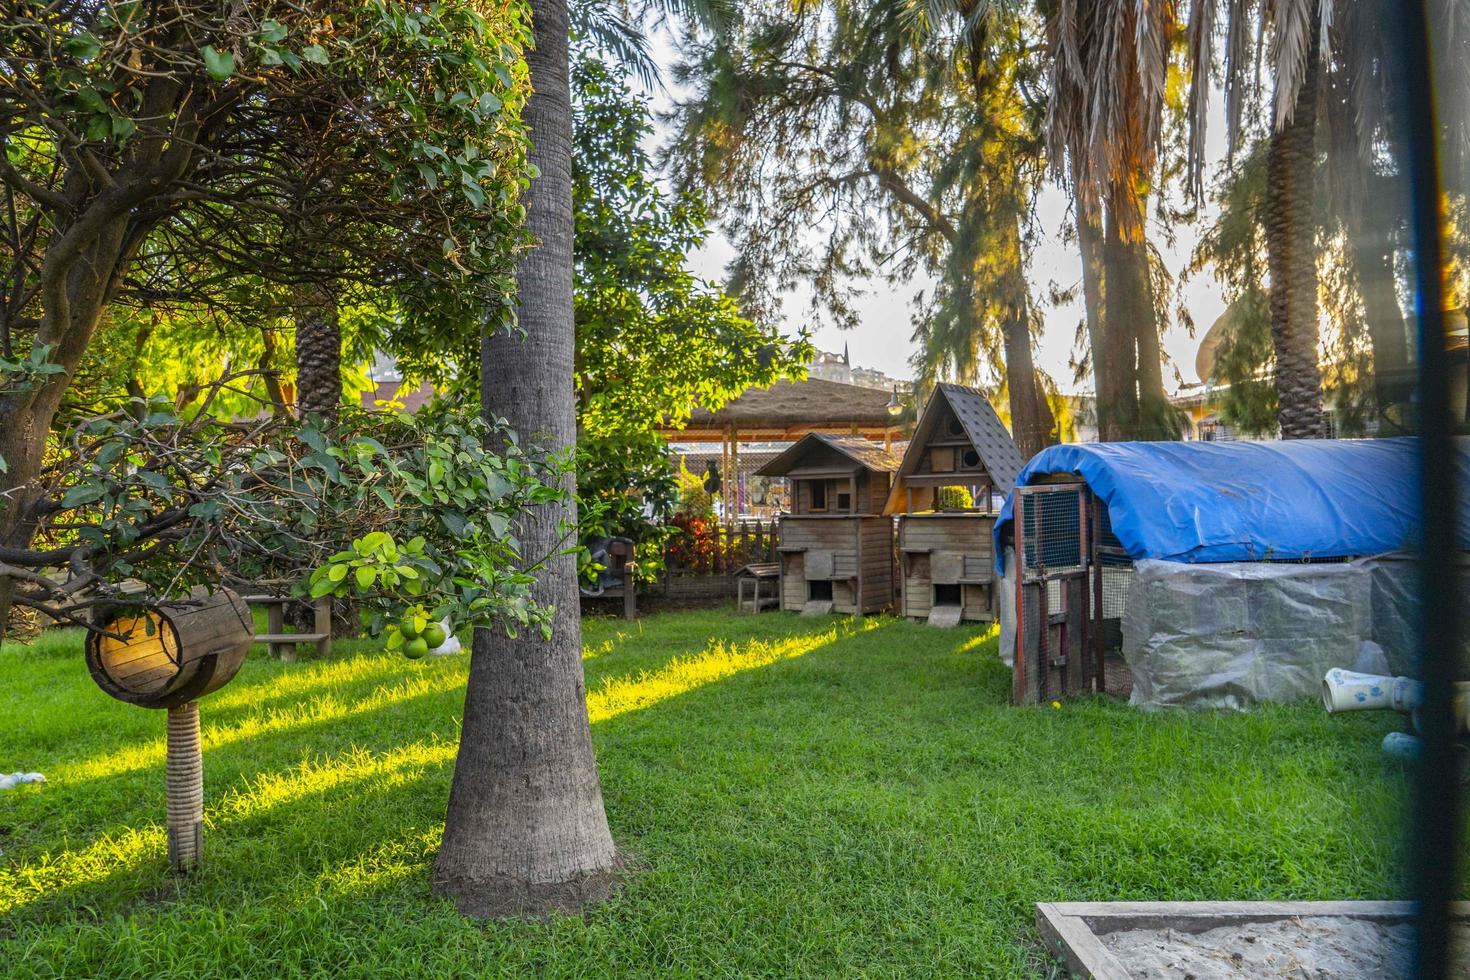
1117,393
318,352
1372,239
526,832
1291,251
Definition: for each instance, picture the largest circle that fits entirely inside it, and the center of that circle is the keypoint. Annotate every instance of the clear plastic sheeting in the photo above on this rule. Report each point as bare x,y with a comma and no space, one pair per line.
1393,587
1006,596
1232,635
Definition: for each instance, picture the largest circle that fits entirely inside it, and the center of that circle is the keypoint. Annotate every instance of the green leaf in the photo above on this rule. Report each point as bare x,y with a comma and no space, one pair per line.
321,588
272,30
219,64
315,53
336,572
84,494
365,577
83,47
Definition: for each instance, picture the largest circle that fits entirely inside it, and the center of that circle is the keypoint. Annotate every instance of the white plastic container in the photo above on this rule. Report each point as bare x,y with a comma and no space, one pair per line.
1346,690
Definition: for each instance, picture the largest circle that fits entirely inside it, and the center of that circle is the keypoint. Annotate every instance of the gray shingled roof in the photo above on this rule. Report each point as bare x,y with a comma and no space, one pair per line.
988,434
862,451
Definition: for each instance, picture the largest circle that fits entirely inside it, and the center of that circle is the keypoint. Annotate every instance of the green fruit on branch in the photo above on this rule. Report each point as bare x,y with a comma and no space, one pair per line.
415,648
408,627
434,636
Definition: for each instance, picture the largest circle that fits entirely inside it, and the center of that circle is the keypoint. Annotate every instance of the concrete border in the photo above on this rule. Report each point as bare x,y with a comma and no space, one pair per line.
1071,930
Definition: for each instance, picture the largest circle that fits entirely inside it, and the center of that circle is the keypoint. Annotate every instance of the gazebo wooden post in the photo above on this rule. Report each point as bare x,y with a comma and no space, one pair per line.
733,480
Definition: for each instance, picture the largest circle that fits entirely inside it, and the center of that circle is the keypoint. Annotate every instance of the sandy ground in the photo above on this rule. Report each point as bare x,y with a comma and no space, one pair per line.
1312,948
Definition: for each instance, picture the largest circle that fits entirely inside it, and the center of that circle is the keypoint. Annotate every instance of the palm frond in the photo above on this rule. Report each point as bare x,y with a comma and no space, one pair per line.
1199,41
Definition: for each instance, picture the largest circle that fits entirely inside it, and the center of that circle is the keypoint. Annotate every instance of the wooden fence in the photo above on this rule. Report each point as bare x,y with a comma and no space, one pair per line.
701,560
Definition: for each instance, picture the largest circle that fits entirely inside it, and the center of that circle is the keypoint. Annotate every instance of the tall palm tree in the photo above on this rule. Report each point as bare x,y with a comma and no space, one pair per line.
318,351
1297,35
526,831
1291,225
1104,124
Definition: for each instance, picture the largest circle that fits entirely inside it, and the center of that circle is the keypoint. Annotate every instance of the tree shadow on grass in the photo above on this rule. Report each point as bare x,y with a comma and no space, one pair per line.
123,862
868,803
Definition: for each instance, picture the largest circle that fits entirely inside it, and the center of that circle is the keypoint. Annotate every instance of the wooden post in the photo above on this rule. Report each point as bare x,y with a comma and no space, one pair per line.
275,619
184,799
630,588
322,623
734,482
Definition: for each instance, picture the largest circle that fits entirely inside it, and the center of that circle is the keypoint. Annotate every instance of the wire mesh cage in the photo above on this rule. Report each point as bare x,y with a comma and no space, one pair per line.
1073,579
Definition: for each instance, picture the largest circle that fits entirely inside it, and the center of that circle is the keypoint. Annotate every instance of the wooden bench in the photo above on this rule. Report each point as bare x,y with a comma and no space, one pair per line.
621,557
283,644
756,574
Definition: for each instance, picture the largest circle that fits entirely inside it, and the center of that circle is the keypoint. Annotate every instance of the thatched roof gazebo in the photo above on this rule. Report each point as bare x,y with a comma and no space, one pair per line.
786,411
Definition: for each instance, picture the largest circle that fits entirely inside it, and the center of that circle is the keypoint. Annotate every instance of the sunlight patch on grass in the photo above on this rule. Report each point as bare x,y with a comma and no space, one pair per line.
323,708
21,883
591,652
619,695
978,640
355,767
304,678
25,882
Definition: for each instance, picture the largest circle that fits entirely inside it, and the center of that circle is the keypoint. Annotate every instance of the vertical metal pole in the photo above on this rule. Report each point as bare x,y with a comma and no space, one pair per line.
184,800
1436,804
1099,623
1018,679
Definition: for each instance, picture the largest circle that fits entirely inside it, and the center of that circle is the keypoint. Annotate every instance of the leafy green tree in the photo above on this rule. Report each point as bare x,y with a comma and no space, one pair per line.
810,120
143,145
409,514
653,340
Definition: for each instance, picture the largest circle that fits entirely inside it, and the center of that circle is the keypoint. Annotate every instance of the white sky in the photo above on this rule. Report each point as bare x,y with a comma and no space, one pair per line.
882,338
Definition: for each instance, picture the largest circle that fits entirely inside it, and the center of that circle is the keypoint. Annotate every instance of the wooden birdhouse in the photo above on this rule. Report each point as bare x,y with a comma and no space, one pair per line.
959,466
836,551
168,655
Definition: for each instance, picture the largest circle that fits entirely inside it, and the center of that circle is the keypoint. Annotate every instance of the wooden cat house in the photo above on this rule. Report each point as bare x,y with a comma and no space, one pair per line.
958,468
836,550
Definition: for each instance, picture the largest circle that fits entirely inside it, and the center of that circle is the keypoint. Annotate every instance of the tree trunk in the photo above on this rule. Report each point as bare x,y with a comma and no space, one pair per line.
271,376
1117,394
1089,243
75,293
1156,417
1032,423
1291,251
526,832
1372,240
318,352
1141,407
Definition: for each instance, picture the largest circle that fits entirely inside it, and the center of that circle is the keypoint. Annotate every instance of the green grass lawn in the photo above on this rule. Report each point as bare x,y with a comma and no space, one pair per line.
805,797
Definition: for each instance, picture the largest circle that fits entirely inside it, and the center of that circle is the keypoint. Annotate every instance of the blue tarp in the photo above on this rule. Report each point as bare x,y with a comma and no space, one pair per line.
1249,501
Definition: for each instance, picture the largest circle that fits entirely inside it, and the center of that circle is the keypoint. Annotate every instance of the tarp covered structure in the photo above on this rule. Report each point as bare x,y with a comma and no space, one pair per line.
1249,501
